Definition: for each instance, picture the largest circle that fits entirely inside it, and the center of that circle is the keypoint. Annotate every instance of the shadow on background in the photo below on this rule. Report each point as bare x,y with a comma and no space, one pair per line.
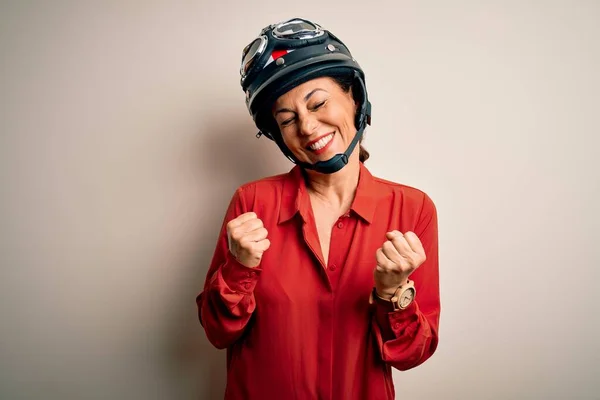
228,155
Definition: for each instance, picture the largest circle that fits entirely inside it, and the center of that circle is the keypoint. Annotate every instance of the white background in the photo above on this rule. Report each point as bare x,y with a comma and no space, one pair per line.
123,134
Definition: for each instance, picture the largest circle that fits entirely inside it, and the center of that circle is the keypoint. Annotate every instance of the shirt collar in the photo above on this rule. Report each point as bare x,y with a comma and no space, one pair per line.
293,189
367,196
295,196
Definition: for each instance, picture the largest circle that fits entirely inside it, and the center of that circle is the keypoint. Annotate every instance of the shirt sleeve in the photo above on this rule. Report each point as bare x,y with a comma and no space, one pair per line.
227,301
406,338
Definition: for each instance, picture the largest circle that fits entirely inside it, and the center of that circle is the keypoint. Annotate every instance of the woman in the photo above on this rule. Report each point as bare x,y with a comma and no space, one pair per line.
325,277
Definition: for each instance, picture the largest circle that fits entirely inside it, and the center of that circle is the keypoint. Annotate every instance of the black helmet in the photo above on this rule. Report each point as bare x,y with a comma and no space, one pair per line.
284,56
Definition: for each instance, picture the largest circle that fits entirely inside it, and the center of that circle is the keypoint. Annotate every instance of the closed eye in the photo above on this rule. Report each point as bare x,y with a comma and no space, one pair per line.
319,105
287,122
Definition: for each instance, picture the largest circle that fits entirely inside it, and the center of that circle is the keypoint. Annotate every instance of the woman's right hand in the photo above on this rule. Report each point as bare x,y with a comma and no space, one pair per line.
247,239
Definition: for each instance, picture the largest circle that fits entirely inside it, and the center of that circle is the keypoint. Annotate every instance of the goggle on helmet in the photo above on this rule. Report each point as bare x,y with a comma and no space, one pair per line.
287,54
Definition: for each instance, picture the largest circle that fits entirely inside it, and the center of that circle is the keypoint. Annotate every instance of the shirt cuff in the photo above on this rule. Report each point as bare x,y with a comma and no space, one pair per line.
401,319
393,323
238,277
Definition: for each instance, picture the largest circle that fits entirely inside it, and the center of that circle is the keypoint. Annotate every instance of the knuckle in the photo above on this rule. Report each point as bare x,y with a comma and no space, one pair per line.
252,225
244,225
404,265
251,248
414,237
234,234
230,225
398,242
245,243
393,267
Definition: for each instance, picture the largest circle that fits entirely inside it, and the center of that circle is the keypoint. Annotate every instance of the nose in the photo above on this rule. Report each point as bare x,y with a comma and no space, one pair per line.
308,124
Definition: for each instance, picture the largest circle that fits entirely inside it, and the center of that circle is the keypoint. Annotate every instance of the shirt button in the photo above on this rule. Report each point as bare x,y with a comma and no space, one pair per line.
246,285
332,267
252,274
340,225
397,326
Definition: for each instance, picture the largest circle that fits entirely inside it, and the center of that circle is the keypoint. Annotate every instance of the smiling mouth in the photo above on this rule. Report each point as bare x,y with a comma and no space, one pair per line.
319,144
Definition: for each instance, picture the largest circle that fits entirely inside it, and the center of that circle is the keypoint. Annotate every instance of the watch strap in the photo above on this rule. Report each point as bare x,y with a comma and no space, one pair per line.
396,298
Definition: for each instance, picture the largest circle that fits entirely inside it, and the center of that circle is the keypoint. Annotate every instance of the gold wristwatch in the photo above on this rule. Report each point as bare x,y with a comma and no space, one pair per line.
402,297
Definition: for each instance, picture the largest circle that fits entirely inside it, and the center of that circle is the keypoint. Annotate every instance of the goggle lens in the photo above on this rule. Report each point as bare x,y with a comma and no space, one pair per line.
297,29
250,53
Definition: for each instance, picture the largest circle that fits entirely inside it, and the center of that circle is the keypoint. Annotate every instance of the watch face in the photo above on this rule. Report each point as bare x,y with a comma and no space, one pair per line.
407,297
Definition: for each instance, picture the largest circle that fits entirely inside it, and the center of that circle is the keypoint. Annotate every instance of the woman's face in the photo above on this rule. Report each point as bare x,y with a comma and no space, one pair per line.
316,119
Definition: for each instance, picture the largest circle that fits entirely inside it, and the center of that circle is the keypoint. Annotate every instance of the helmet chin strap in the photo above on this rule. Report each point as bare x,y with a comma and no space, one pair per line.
338,161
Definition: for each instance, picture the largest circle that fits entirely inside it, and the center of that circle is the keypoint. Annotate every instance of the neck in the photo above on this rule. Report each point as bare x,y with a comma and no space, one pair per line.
337,189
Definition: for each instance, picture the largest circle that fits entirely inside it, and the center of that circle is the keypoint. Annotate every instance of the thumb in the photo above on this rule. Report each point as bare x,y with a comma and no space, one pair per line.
391,235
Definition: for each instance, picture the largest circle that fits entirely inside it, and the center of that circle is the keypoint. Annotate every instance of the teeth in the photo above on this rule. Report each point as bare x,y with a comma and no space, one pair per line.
321,143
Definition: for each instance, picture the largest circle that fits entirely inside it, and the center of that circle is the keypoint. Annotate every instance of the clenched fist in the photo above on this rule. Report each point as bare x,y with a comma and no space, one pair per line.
247,239
399,256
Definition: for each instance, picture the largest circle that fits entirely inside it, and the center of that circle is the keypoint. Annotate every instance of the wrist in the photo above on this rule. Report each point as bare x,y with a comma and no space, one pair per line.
401,298
387,293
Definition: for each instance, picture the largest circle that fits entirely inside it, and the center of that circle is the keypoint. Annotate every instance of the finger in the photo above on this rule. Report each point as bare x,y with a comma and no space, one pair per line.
401,245
414,242
255,236
251,225
392,234
390,252
262,245
383,263
241,219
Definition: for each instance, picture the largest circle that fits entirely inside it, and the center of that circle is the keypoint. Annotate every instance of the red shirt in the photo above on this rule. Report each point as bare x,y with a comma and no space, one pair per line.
295,328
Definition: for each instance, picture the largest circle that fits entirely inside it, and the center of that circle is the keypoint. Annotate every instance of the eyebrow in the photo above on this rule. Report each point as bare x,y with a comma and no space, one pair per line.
313,92
282,110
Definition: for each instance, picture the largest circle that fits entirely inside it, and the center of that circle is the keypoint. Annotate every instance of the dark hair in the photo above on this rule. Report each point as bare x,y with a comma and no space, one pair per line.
346,82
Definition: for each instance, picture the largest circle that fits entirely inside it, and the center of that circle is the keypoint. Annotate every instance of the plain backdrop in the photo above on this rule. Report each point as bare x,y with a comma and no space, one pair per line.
124,133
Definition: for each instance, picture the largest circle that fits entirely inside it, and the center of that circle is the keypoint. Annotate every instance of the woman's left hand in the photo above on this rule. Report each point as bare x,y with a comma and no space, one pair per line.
399,257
